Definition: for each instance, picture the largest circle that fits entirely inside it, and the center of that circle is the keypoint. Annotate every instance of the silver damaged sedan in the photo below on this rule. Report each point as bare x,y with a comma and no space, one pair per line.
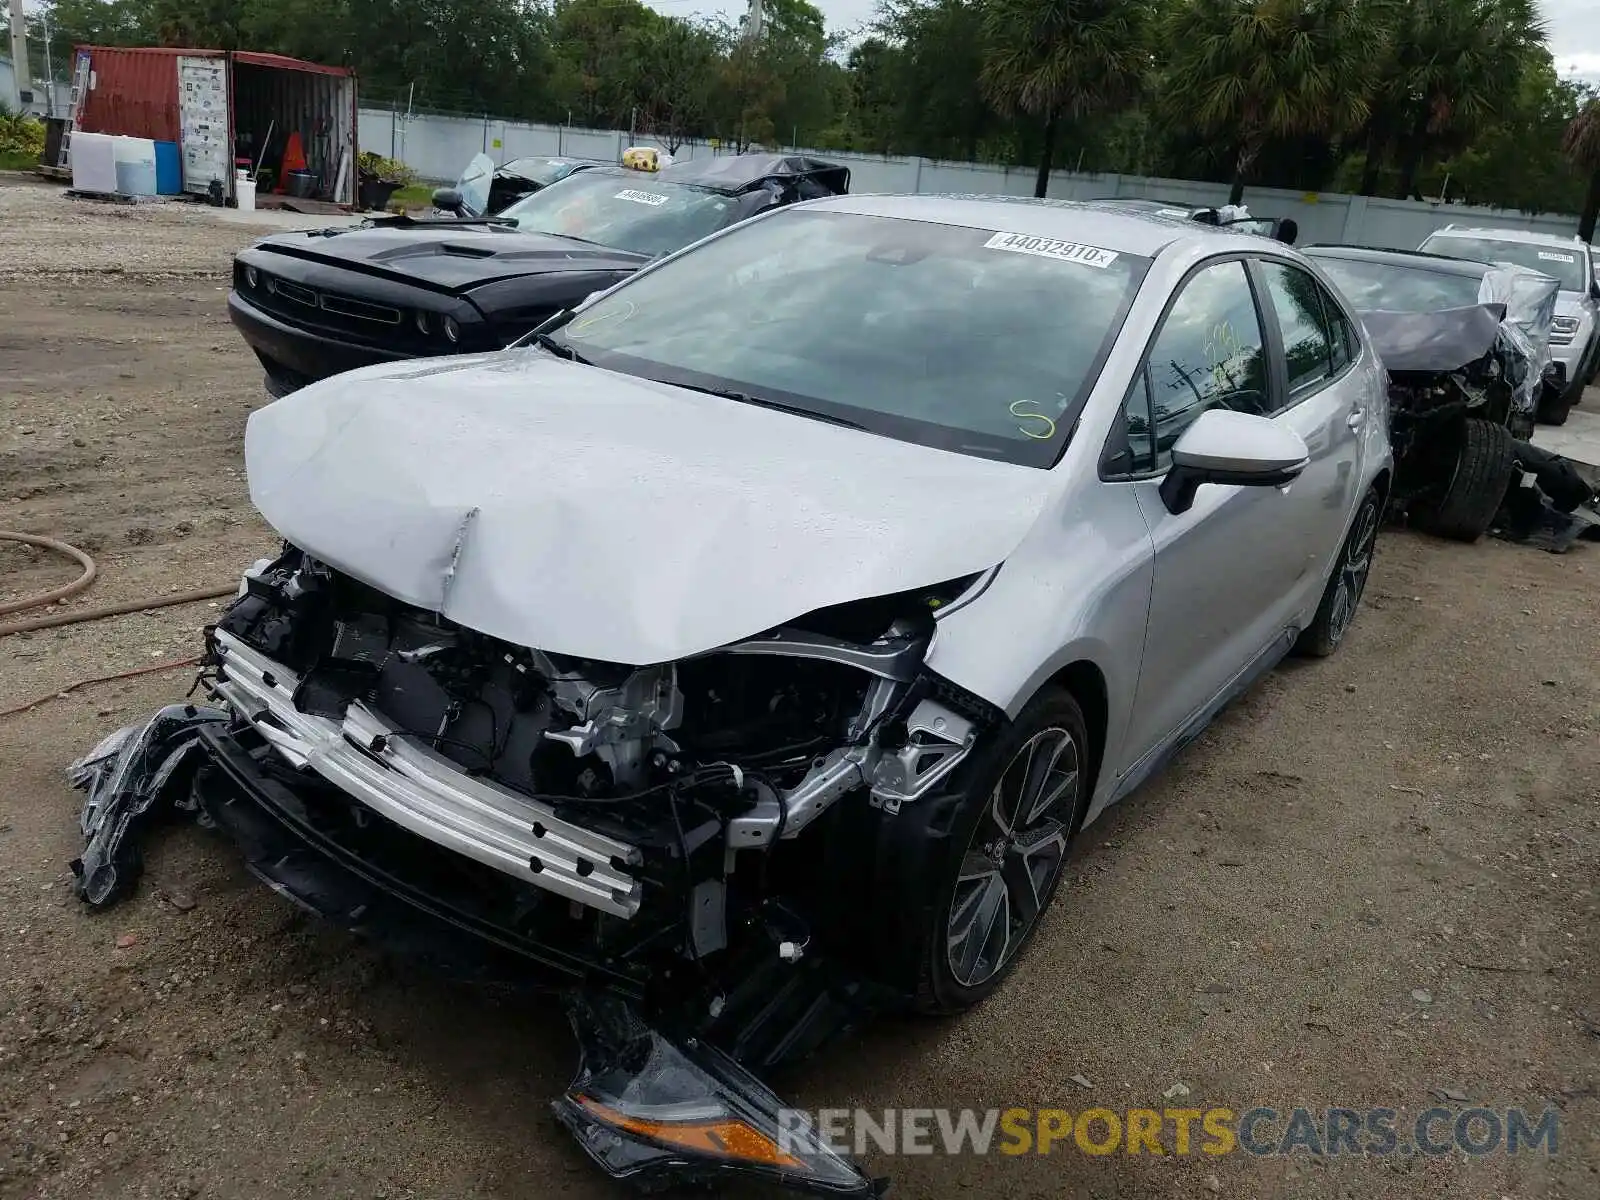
744,651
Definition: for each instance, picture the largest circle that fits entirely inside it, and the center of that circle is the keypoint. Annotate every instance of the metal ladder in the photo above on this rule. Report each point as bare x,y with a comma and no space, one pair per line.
80,85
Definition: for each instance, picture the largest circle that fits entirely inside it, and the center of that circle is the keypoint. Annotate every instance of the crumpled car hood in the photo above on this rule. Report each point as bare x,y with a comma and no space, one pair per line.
595,514
1441,341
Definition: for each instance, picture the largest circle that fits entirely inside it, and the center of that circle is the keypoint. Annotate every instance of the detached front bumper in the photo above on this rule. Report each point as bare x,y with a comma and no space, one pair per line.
645,1105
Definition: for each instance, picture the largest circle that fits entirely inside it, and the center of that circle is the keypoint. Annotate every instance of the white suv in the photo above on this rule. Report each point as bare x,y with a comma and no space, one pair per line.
1575,338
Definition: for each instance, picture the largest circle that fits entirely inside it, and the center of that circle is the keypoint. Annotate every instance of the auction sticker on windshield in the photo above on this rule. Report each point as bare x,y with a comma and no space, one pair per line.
638,197
1556,256
1043,247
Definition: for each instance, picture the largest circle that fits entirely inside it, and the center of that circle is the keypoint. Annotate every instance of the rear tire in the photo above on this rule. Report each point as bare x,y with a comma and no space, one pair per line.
1349,579
1478,484
1554,406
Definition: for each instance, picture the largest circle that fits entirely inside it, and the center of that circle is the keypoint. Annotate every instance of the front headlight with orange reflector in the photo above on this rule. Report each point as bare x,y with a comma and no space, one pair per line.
648,1108
718,1135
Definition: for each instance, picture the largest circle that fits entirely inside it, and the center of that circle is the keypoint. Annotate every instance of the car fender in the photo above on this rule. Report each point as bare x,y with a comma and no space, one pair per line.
1077,590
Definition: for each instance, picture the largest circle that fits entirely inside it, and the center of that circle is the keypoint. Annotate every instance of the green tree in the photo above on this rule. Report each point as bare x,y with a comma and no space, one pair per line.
1447,70
1582,146
1516,161
679,61
932,66
773,86
1063,60
1243,72
97,23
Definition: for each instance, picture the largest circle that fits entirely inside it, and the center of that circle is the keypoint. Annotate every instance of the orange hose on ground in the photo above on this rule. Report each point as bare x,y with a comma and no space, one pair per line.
115,610
60,692
60,593
88,614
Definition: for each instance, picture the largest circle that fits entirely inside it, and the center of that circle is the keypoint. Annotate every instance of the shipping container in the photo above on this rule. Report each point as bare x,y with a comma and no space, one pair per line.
227,110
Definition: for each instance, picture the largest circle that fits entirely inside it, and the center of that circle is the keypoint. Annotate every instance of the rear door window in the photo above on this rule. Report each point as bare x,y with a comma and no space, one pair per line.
1307,341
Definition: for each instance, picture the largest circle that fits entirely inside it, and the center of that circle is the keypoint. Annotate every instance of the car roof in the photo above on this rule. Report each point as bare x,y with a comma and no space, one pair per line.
1441,264
1107,225
1525,236
557,159
734,173
1144,202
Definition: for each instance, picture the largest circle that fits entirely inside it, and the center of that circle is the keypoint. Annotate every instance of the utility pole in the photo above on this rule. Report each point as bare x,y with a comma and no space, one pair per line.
49,68
21,77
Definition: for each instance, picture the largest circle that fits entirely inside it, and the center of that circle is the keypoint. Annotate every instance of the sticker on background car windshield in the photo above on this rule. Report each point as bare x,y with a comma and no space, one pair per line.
1043,247
1556,256
1171,212
638,197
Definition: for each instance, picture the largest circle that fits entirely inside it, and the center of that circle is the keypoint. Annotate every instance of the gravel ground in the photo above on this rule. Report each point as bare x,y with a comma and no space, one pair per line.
1371,883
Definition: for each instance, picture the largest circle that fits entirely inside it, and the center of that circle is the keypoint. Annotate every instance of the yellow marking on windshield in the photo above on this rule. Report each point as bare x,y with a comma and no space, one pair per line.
1049,424
582,327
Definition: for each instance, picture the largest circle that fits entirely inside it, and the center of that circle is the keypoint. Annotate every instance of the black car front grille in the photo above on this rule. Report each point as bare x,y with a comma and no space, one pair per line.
334,313
291,291
361,310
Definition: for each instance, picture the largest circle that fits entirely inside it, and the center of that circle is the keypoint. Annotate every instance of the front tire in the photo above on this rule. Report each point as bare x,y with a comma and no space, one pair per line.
978,865
1349,579
1477,486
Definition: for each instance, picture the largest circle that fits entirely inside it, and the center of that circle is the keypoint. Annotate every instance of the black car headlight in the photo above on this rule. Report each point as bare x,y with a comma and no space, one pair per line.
251,277
452,331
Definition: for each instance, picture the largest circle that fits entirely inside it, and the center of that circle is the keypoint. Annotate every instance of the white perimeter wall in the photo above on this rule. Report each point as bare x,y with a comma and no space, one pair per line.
437,148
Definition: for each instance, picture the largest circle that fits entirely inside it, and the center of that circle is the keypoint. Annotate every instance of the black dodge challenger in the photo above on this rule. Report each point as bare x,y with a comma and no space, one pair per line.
314,303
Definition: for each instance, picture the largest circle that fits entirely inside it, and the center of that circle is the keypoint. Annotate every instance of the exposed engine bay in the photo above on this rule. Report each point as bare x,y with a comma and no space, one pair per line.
1452,364
669,836
582,777
1465,385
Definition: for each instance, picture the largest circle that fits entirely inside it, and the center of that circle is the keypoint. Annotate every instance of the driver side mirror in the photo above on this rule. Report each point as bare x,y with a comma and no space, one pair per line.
1594,289
449,200
1231,448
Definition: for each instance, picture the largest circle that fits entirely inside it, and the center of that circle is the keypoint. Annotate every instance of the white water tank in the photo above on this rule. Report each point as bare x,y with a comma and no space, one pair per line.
93,157
136,166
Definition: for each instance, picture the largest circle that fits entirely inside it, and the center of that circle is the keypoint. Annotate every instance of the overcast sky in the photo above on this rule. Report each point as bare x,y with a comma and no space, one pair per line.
1574,25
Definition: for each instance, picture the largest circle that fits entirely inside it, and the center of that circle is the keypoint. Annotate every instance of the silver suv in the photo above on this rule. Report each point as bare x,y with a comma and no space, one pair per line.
1575,338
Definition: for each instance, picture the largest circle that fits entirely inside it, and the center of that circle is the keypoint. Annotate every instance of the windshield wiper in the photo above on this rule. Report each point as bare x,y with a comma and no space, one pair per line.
559,349
572,237
764,402
405,221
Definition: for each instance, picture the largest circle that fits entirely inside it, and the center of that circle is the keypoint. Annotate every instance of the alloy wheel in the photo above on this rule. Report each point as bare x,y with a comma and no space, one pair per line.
1014,856
1353,572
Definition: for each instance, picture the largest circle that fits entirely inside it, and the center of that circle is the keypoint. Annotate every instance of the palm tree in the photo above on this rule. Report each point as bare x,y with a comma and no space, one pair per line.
1247,71
1582,146
1449,68
1064,60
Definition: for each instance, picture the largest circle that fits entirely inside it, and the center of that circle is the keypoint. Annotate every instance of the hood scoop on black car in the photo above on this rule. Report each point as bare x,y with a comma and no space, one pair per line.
466,251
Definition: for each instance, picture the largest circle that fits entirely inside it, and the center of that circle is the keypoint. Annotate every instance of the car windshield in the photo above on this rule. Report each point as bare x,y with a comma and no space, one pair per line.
542,171
627,210
1373,286
474,183
979,341
1566,265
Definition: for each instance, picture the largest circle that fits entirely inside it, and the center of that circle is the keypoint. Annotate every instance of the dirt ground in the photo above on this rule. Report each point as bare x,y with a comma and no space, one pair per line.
1371,883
